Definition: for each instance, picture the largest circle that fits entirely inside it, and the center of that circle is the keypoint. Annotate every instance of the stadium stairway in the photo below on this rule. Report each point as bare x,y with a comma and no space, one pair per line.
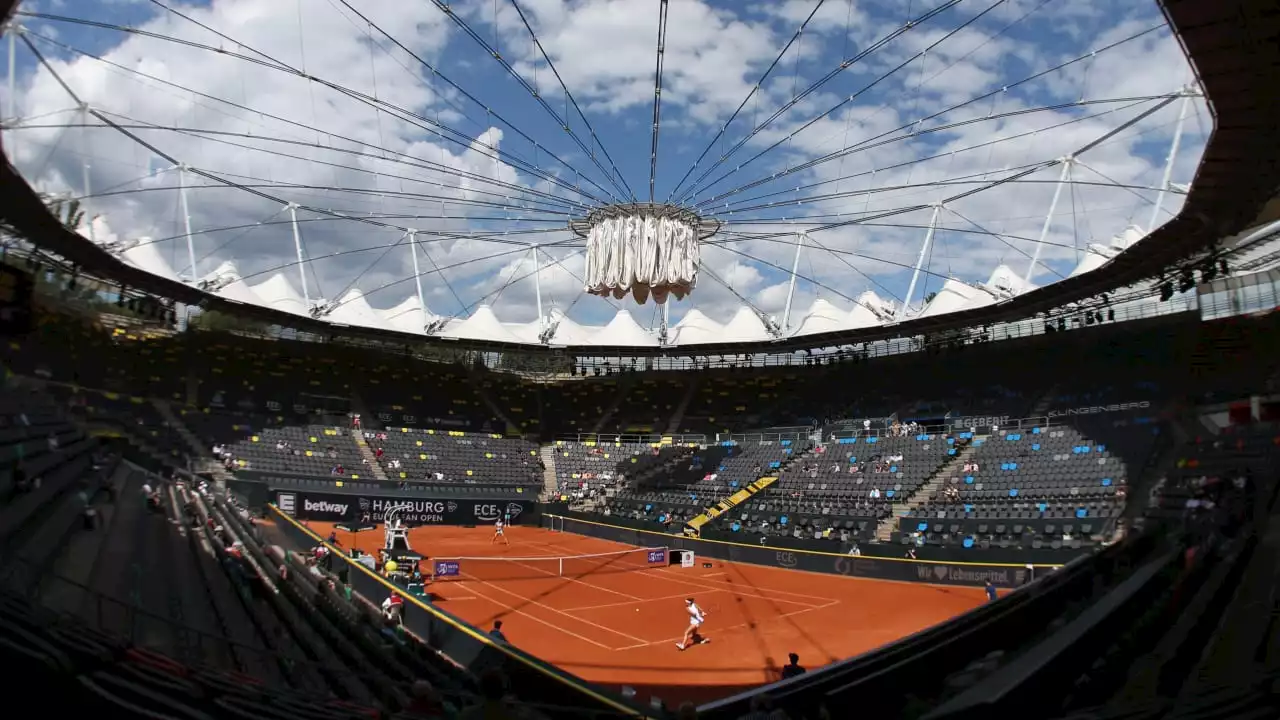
922,495
365,452
478,384
673,425
64,588
550,485
194,444
726,504
625,383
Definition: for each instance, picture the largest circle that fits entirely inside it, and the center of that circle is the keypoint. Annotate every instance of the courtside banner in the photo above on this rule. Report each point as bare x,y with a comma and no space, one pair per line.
657,557
447,568
926,571
336,507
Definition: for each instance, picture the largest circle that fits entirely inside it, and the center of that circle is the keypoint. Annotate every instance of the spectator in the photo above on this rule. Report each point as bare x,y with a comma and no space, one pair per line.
792,668
426,702
493,699
496,632
687,711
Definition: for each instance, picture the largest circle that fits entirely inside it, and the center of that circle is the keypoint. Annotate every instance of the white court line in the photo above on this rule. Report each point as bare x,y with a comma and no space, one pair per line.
539,620
693,582
734,586
681,596
575,580
741,625
558,612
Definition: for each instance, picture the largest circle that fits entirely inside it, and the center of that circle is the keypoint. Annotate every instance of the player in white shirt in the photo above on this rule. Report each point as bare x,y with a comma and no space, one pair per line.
696,618
499,532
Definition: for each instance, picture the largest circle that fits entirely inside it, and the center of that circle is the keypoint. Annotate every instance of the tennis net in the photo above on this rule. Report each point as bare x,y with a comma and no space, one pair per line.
569,566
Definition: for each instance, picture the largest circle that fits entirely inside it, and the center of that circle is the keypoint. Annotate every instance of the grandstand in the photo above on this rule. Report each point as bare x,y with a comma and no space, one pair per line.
224,499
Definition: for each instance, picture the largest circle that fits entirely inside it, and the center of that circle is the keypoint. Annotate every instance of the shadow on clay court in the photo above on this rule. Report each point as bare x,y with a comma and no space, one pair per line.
785,616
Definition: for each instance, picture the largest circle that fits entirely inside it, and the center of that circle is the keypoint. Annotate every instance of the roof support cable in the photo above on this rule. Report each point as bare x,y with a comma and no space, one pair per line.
700,185
612,178
737,205
753,93
449,134
913,125
569,99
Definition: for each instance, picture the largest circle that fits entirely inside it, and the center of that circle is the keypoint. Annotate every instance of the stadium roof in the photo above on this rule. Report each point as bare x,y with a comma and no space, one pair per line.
1230,192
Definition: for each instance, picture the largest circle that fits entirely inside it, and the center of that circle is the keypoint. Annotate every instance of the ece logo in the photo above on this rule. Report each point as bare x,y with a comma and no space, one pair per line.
786,559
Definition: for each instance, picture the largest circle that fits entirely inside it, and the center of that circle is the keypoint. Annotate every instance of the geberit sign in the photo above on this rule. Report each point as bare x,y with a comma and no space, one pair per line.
1101,409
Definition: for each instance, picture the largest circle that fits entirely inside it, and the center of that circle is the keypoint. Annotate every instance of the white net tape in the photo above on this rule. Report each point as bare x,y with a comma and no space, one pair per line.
516,568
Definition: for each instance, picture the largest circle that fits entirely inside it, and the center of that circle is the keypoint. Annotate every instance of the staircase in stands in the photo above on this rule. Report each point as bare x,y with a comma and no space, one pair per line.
477,382
673,425
550,484
922,495
202,457
367,453
724,505
624,387
694,526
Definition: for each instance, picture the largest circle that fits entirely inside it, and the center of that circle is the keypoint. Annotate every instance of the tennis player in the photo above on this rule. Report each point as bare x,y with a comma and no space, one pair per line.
499,531
696,618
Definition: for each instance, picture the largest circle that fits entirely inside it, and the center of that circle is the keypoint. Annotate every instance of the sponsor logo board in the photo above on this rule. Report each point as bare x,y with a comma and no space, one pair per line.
657,557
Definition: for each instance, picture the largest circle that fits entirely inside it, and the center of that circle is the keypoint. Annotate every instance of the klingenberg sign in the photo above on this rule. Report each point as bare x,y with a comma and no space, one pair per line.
1100,409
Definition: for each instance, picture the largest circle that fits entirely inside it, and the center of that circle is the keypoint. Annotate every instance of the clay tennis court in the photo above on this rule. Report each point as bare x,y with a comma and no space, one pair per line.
614,621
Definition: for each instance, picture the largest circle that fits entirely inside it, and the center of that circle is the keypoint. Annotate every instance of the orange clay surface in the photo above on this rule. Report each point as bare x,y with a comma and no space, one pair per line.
621,628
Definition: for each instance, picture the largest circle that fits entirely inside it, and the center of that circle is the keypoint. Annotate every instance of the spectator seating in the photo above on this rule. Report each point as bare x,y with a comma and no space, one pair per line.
1049,483
694,478
588,469
457,458
829,491
137,415
307,450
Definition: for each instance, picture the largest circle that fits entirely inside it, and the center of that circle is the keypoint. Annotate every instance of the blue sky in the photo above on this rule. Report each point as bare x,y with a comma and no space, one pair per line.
375,97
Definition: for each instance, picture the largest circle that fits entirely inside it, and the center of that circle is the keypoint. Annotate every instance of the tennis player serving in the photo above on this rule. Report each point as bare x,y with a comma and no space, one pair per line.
499,534
696,618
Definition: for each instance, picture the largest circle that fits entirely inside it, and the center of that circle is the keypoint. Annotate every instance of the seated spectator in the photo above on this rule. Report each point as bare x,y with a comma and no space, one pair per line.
392,606
426,702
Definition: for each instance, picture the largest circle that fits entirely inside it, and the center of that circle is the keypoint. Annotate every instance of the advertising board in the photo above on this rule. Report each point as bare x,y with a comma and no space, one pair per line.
937,573
658,557
335,507
446,568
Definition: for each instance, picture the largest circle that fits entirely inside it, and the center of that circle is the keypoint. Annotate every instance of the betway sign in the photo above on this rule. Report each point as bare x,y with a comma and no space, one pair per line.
412,511
1101,409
